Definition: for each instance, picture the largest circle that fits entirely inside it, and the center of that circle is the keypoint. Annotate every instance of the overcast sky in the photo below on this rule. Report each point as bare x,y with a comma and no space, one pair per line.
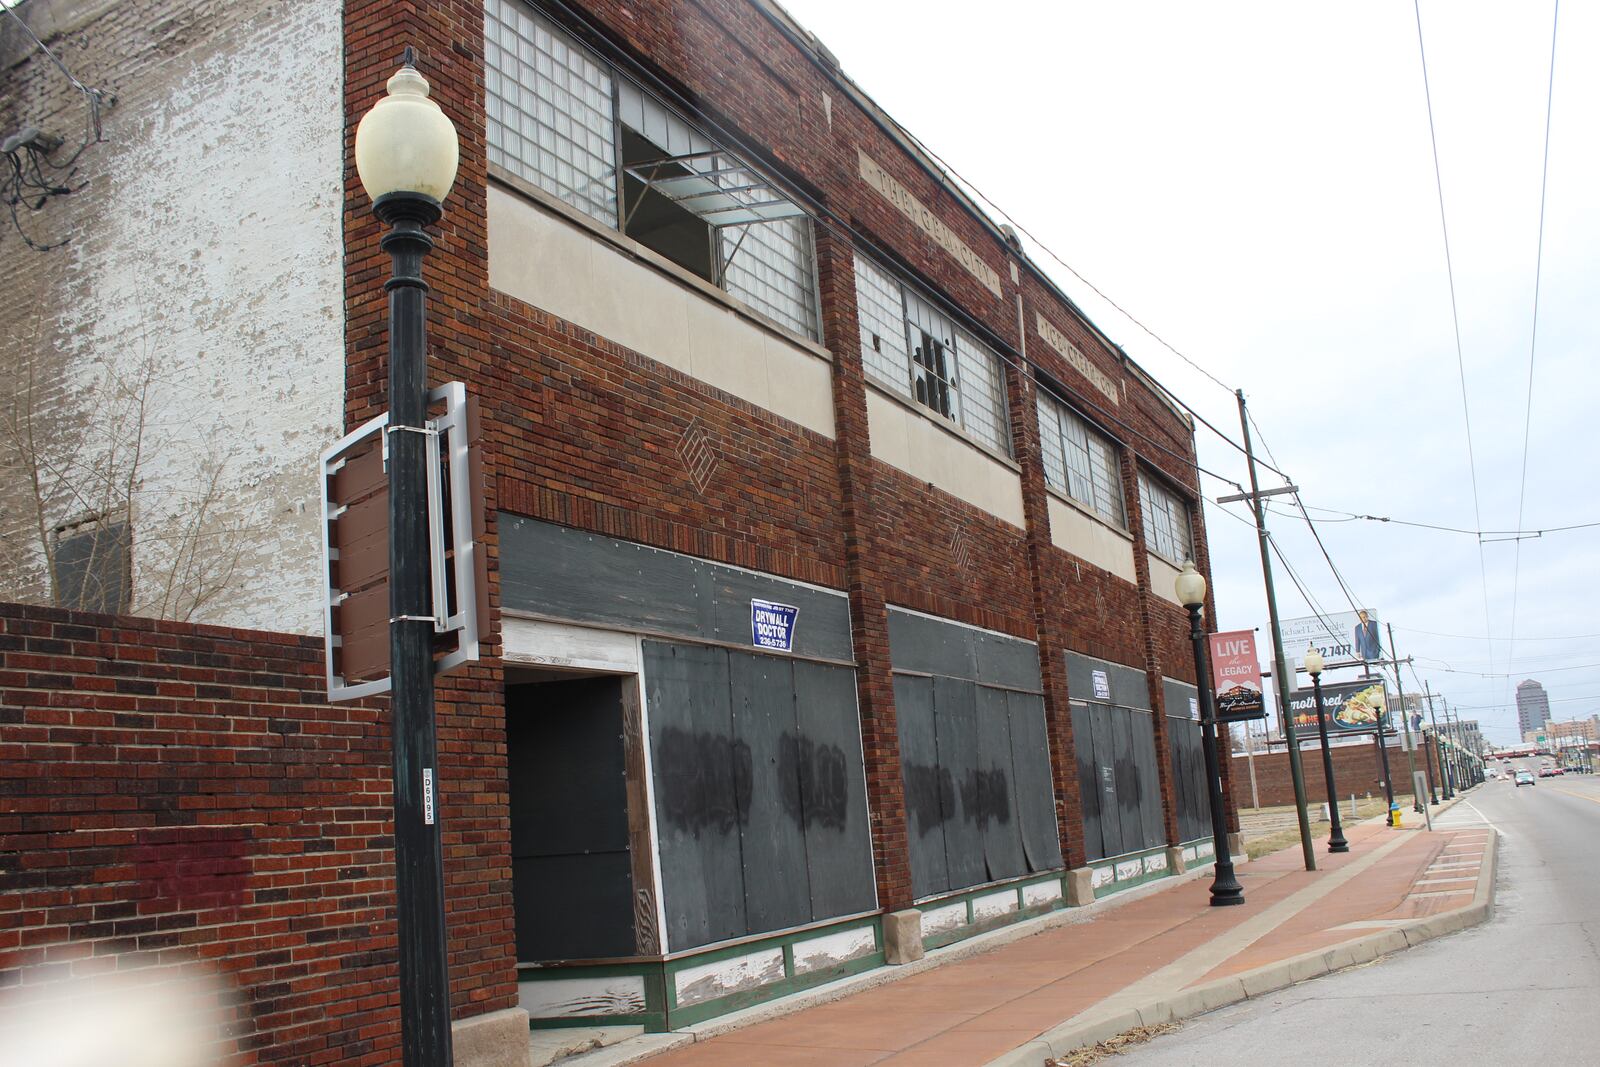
1254,182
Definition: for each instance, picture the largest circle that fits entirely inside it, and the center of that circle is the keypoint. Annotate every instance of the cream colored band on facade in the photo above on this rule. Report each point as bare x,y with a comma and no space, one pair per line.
1080,362
927,221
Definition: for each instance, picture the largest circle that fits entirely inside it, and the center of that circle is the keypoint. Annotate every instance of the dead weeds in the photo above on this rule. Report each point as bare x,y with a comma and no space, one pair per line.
1100,1050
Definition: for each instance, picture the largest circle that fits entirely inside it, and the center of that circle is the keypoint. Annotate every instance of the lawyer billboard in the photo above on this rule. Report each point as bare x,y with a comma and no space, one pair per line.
1341,637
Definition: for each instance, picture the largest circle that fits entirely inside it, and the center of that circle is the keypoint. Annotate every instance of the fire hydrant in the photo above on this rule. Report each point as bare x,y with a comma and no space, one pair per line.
1394,815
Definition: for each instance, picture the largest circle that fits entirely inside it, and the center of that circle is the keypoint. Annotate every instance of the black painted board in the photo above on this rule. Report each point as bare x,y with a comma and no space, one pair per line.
956,734
1177,696
573,907
571,574
1128,791
1144,759
772,843
1105,760
1178,744
1036,806
568,789
1094,844
572,883
696,779
996,788
933,646
1200,785
1128,687
929,646
1006,661
833,791
926,785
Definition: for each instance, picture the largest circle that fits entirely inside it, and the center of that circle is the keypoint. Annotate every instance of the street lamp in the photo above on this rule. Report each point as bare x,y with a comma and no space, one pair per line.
406,155
1191,588
1336,841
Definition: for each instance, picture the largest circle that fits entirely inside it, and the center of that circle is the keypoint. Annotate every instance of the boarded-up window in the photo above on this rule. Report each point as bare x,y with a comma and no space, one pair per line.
94,566
761,807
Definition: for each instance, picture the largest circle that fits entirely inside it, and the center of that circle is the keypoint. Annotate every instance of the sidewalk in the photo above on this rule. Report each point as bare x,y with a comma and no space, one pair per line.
1149,960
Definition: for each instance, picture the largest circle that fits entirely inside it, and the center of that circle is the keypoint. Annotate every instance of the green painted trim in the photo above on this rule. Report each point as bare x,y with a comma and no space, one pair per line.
710,1009
651,1023
972,927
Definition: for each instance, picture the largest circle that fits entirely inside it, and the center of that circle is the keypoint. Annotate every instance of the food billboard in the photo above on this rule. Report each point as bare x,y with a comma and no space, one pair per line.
1236,676
1351,707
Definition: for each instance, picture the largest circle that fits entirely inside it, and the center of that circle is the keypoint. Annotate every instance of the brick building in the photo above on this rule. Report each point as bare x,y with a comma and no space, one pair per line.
831,547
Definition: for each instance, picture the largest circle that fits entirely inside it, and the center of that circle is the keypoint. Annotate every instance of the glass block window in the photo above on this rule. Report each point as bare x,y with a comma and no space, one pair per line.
913,348
881,313
1079,461
1166,521
932,338
549,107
561,118
983,391
770,269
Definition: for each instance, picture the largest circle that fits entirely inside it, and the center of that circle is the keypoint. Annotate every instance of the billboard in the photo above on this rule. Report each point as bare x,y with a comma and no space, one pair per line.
1236,675
1351,707
1342,637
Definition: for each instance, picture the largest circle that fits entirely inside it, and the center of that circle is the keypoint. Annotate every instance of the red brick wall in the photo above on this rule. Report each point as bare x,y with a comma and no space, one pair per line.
184,793
584,432
1355,770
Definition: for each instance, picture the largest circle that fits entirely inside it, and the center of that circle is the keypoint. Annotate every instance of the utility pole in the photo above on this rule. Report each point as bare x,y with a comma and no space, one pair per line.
1444,773
1400,690
1281,674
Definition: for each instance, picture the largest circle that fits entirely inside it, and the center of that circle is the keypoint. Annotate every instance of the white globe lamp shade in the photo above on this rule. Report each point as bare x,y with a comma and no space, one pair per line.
1191,586
405,144
1314,662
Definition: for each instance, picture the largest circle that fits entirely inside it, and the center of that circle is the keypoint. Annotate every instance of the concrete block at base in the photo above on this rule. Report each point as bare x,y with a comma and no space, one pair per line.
1080,887
494,1039
1175,859
902,936
1236,848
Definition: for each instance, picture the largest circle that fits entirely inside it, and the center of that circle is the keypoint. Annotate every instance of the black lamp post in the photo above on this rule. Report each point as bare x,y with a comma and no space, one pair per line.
1225,887
406,155
1336,841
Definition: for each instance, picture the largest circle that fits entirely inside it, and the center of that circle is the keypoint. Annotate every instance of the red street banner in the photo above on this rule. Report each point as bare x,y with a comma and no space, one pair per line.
1236,676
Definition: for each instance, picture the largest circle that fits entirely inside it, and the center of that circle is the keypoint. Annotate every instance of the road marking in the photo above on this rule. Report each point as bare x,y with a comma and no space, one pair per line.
1580,796
1485,818
1443,893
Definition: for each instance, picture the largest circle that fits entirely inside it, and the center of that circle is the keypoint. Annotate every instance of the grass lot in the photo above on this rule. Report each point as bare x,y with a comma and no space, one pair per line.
1276,827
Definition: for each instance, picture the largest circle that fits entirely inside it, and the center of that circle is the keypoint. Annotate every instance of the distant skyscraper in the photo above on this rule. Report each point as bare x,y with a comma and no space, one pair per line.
1533,705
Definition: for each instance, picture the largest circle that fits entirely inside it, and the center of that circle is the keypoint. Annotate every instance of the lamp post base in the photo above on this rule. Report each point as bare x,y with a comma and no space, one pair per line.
1225,889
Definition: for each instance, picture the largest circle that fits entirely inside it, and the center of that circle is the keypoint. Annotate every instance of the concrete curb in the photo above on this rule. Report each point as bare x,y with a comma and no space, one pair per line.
1073,1035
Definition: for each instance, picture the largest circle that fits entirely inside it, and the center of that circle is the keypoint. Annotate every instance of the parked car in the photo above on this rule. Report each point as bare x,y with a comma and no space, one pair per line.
1524,778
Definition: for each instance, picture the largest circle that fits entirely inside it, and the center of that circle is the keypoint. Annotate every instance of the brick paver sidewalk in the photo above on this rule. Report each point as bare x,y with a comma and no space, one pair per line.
970,1011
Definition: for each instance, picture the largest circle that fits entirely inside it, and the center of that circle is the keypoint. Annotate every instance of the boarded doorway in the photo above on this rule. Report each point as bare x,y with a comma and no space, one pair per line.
573,843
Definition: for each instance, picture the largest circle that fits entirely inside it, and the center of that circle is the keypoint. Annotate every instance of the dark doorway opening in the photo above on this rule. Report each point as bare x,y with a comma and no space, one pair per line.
571,852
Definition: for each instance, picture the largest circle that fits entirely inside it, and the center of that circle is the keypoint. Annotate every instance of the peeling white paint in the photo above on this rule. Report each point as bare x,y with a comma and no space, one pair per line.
834,949
993,905
695,985
943,920
562,998
208,247
1042,893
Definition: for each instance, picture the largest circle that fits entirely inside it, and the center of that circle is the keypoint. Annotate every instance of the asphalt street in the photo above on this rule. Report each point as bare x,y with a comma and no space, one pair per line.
1522,988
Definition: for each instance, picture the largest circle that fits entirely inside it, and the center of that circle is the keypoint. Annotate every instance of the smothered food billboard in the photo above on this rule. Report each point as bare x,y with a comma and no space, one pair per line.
1351,707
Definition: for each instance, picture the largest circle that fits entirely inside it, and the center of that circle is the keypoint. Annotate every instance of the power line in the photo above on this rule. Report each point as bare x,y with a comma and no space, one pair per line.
1478,637
1455,318
978,194
1533,340
1507,535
